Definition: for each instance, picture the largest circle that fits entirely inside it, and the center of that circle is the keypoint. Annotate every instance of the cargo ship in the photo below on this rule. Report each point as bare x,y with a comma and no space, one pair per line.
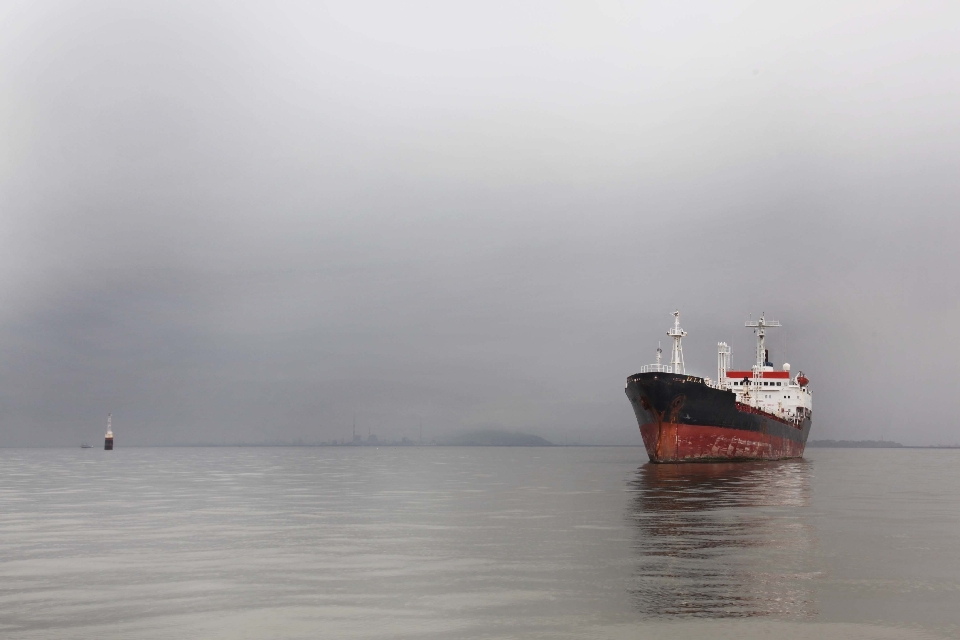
758,414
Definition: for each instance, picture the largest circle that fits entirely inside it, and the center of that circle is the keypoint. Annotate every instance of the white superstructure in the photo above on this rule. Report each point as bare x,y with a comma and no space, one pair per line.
762,386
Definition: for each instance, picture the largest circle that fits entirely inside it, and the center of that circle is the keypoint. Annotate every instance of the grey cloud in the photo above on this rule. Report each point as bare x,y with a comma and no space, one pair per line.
241,221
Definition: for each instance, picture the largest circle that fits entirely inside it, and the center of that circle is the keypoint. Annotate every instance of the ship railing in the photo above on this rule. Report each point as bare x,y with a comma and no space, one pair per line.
656,368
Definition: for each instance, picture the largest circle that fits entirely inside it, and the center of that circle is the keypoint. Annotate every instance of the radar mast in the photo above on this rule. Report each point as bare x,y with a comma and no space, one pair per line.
759,327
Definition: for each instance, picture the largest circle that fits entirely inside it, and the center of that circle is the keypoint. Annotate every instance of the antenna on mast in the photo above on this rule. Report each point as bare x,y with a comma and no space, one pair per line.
662,368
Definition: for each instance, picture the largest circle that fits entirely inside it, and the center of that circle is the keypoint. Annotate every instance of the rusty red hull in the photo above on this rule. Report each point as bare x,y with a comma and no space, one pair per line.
677,442
682,419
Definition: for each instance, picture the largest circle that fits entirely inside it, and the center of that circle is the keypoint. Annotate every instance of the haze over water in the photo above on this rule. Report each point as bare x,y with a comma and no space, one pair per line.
438,542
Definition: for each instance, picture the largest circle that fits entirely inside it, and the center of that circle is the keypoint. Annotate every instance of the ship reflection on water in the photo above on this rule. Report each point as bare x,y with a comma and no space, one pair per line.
724,540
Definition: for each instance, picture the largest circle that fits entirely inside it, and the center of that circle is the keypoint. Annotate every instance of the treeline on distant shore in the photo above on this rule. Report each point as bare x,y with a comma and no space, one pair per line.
855,444
474,438
495,438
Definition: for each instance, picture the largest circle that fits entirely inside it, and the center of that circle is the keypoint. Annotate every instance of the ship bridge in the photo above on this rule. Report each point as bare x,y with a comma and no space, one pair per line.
762,386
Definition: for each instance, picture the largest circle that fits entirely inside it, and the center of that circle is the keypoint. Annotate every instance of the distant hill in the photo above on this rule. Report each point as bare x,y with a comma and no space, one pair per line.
855,444
496,438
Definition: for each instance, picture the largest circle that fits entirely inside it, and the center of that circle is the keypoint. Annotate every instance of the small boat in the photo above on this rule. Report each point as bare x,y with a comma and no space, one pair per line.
84,445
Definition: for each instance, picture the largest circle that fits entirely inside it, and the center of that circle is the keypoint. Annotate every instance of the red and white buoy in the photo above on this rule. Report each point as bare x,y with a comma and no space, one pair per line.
108,439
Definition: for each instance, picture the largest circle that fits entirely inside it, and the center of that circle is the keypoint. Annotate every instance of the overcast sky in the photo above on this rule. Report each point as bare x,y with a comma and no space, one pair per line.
230,221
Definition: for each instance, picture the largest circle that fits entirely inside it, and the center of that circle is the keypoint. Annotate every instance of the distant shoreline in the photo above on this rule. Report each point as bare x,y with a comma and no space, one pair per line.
855,444
873,444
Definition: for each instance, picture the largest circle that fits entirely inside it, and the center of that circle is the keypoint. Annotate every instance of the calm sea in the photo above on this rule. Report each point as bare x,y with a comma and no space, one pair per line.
438,542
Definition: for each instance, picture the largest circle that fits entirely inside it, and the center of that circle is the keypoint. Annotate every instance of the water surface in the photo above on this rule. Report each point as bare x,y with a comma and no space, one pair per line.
438,542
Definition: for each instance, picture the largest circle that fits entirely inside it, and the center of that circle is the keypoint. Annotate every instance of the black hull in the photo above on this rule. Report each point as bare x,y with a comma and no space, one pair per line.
682,419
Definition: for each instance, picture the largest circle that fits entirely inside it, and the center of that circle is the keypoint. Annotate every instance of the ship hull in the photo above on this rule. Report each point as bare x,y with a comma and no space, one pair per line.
681,419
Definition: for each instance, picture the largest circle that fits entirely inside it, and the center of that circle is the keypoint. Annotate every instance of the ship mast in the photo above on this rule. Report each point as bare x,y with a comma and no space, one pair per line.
676,360
759,327
660,368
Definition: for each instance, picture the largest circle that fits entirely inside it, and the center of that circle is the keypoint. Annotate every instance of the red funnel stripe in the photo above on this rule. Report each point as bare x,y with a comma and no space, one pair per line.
766,374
